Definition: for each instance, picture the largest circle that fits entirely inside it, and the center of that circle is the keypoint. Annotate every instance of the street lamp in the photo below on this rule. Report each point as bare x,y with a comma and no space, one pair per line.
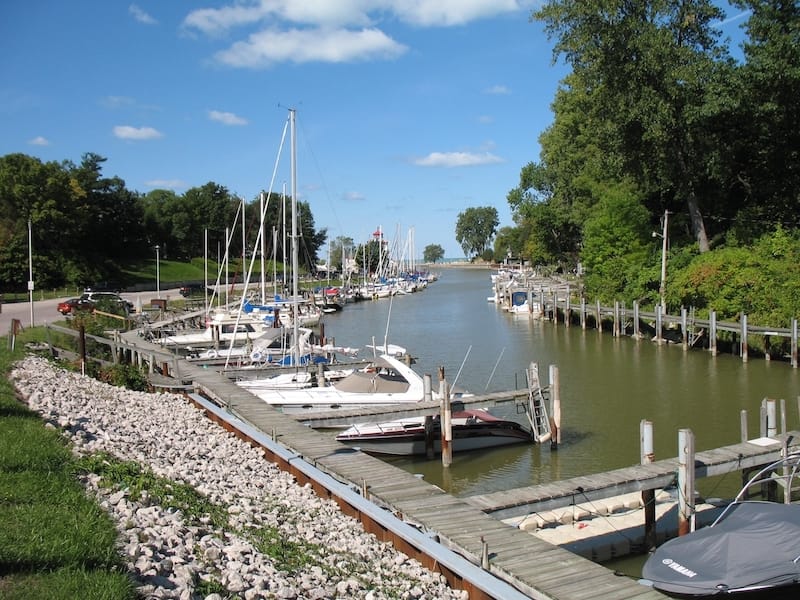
158,273
30,267
662,290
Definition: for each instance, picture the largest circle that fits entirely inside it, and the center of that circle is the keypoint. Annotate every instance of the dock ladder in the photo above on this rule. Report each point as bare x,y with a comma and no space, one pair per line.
537,408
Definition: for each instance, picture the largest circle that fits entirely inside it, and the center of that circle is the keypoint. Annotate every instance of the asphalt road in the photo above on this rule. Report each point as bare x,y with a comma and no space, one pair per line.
44,311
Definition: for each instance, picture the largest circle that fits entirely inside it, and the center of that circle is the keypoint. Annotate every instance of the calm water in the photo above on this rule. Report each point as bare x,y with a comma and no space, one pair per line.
608,385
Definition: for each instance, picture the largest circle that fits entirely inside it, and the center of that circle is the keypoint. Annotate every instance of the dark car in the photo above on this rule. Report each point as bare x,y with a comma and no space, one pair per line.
192,289
67,307
90,300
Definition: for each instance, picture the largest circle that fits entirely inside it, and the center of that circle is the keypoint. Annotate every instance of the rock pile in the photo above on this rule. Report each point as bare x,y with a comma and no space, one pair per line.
168,557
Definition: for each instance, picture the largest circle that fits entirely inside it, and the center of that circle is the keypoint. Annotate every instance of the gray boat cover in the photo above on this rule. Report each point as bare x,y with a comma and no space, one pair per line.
754,546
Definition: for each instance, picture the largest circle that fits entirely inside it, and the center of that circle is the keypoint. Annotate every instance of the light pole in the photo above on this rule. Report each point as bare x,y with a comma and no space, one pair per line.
30,267
158,273
662,290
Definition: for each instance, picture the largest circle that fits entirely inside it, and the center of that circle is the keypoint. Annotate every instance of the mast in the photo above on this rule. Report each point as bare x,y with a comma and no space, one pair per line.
295,319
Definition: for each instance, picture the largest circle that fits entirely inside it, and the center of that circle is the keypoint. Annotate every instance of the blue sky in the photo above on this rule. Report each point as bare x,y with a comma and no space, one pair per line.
408,111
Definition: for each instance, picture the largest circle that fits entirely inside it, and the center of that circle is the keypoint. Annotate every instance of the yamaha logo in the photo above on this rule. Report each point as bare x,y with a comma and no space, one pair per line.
677,567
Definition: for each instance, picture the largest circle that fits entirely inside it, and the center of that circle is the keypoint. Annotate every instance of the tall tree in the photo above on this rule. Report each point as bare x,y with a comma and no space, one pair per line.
475,229
432,253
648,65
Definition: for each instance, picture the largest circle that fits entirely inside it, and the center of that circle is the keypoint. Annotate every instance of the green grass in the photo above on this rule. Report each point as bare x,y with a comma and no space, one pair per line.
55,542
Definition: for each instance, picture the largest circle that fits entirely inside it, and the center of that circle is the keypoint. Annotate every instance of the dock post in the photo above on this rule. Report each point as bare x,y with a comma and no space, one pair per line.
659,325
712,332
636,319
744,337
567,310
743,425
615,325
445,421
599,319
484,554
685,481
583,313
783,416
684,326
555,408
793,344
427,396
648,496
771,424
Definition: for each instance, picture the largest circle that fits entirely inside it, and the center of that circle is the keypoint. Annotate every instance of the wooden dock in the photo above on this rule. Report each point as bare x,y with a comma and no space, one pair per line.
526,500
533,567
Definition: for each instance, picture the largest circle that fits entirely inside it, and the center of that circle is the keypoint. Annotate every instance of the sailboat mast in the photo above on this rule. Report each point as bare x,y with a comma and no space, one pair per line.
295,260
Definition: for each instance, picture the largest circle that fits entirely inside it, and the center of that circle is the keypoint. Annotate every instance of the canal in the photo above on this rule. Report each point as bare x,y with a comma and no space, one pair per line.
608,385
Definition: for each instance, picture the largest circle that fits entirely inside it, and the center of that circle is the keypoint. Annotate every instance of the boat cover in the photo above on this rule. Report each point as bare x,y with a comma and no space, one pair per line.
754,546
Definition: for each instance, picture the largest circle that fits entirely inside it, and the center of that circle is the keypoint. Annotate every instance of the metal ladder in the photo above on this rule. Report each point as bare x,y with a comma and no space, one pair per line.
537,408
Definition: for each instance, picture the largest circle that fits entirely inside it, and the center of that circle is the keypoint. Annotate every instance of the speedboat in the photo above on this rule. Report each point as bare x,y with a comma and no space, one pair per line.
472,430
751,550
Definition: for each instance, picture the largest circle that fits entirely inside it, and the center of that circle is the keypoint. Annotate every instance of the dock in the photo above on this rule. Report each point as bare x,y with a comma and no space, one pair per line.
656,475
517,564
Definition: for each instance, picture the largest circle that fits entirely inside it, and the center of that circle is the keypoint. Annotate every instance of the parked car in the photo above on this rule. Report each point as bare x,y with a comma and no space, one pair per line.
193,289
90,300
66,307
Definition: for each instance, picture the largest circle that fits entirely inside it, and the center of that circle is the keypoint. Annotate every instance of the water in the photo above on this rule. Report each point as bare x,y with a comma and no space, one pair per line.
608,385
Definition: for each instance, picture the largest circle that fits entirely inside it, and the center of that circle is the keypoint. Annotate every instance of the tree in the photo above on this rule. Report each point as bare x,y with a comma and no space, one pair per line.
432,253
475,229
368,256
651,67
341,249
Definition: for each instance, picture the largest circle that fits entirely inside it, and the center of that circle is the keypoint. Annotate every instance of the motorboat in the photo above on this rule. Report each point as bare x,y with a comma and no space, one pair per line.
223,328
472,430
387,380
751,550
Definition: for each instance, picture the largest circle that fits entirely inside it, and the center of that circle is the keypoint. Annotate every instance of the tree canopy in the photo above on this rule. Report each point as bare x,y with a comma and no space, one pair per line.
432,253
656,115
475,229
84,225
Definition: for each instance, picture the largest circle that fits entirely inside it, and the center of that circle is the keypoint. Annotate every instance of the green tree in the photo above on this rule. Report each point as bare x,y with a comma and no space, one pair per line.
651,67
368,256
475,229
342,248
432,253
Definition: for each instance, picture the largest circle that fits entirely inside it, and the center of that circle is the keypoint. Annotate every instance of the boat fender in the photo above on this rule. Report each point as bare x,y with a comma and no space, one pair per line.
211,354
256,356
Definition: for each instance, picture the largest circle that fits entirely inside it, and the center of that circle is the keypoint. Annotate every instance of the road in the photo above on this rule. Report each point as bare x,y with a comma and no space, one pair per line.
44,311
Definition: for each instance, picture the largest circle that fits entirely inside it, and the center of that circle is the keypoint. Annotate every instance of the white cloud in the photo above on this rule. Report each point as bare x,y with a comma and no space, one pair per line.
344,13
126,132
166,184
141,15
330,30
300,46
497,90
39,141
353,197
226,118
457,159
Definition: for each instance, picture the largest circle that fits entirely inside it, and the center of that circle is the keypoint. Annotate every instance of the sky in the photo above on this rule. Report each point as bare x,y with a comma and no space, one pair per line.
408,112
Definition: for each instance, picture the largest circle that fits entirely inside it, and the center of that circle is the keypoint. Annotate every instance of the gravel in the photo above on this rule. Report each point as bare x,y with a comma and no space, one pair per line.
168,555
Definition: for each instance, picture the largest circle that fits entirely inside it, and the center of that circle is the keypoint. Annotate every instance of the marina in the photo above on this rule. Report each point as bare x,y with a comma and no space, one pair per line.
425,492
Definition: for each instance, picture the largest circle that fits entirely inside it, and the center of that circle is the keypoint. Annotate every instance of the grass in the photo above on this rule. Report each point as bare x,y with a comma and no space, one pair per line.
55,542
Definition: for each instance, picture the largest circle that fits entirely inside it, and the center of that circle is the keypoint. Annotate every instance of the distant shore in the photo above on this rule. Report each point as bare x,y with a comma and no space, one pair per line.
459,264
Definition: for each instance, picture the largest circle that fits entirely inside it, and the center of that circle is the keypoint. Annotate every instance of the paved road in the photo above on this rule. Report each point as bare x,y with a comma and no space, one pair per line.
44,311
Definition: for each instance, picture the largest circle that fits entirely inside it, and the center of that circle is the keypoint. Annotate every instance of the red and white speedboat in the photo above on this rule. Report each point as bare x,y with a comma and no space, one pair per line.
472,430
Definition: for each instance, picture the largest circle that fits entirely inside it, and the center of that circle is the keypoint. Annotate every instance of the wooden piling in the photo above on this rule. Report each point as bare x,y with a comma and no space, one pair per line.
636,333
743,425
445,421
648,496
712,332
583,313
685,481
743,343
555,408
659,325
684,328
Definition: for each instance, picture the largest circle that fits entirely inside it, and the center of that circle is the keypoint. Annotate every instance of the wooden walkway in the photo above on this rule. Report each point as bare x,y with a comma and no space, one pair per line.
536,568
526,500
